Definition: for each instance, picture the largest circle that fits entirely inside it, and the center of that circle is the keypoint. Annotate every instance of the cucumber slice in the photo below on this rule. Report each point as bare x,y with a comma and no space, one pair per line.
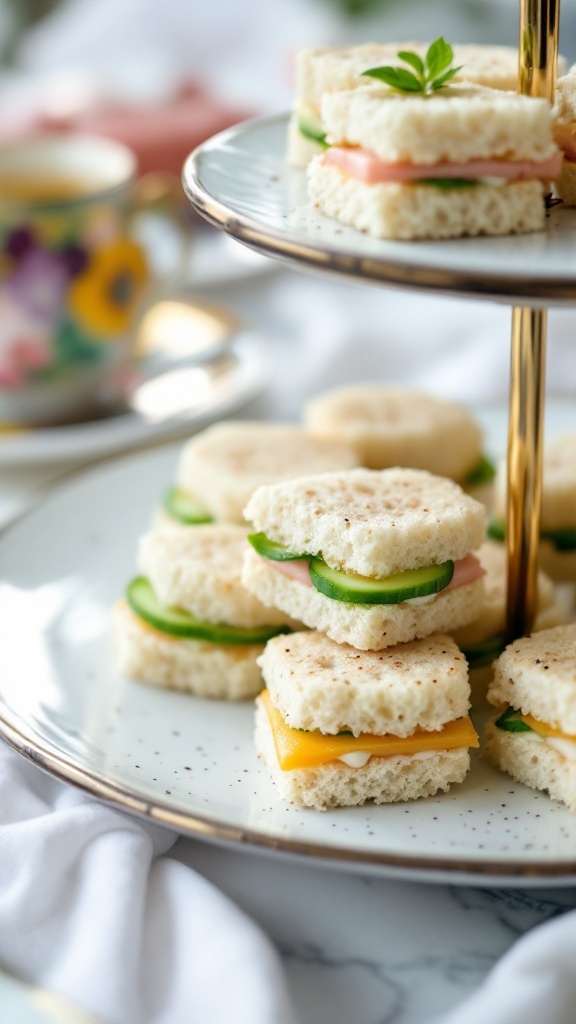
347,586
483,473
447,183
563,540
184,508
311,127
511,721
314,136
270,549
484,653
175,622
496,530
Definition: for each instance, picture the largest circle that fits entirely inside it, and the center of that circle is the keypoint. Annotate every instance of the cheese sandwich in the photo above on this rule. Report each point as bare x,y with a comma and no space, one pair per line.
533,738
337,726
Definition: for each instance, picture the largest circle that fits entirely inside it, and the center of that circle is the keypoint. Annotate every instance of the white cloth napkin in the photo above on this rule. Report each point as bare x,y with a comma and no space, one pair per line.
90,909
534,983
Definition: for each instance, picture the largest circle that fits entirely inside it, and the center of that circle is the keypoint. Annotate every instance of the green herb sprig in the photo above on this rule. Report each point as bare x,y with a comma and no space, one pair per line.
427,76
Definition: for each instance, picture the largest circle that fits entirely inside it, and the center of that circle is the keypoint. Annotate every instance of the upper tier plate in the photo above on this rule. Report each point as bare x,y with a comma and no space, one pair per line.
240,181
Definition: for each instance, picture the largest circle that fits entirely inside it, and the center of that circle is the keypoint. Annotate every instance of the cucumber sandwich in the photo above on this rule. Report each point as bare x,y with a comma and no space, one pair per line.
187,622
558,517
221,466
371,558
533,736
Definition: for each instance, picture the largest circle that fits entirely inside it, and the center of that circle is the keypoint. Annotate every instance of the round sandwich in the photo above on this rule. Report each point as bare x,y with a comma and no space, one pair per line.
332,69
187,623
482,640
533,737
461,161
397,426
372,558
221,467
558,515
337,726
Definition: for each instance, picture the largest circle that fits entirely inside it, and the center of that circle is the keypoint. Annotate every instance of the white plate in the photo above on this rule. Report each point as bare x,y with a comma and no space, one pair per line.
199,395
190,763
240,181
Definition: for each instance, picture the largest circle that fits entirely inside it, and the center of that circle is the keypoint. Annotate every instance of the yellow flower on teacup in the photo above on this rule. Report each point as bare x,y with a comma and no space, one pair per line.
102,298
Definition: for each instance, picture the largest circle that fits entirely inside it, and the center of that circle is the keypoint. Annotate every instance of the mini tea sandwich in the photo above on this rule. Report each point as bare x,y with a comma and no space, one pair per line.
421,158
221,467
372,558
333,69
533,737
558,517
565,135
337,726
482,640
395,426
187,623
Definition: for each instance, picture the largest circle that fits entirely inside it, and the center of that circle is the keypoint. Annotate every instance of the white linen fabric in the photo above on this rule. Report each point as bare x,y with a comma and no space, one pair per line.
90,909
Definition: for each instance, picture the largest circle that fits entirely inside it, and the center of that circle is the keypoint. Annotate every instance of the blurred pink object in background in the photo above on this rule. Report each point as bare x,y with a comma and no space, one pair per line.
160,133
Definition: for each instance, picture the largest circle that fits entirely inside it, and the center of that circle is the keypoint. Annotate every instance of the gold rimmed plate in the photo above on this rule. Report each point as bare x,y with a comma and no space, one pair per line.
241,182
190,764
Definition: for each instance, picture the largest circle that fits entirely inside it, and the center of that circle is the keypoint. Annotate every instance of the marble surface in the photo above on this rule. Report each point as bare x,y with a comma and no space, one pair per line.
373,951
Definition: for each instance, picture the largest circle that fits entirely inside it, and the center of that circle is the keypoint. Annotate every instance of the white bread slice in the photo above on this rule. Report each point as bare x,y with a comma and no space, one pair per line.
318,684
558,484
383,779
492,619
398,426
537,676
458,124
372,522
330,69
565,135
224,464
533,763
409,212
220,671
366,627
565,183
199,569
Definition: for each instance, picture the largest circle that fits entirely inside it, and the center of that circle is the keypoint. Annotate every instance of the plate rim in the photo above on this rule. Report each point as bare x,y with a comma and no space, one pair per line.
21,737
17,451
392,272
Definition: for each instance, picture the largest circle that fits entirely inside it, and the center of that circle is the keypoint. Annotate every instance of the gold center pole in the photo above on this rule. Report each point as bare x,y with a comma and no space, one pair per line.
539,21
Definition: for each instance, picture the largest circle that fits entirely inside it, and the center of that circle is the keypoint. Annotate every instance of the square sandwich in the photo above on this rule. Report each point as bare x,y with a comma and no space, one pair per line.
465,160
534,736
337,726
372,558
187,623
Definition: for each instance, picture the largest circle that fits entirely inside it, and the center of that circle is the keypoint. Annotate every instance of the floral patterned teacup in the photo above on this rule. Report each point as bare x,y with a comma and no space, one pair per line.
72,276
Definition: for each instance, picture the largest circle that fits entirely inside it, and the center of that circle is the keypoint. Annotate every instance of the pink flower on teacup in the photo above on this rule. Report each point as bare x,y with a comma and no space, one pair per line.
39,283
24,343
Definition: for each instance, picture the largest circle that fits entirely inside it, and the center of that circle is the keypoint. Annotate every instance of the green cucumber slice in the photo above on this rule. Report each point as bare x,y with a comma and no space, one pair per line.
484,653
496,529
511,721
447,183
347,586
175,622
311,127
563,540
184,508
270,549
483,473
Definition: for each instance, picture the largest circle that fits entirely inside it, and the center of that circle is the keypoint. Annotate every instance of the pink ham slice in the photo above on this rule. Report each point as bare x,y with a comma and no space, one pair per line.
366,166
467,570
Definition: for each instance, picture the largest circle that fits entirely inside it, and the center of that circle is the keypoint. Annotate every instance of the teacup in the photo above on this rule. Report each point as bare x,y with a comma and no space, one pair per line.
72,276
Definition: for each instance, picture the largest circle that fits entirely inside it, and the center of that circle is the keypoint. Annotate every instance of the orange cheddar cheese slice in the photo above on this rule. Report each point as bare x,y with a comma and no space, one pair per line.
296,748
544,730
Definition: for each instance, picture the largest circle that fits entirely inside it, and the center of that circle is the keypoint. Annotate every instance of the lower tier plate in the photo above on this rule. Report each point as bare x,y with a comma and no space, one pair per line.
189,763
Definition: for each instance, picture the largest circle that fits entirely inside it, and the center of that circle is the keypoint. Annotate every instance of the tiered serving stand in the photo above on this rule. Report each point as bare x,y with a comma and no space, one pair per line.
240,182
190,764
